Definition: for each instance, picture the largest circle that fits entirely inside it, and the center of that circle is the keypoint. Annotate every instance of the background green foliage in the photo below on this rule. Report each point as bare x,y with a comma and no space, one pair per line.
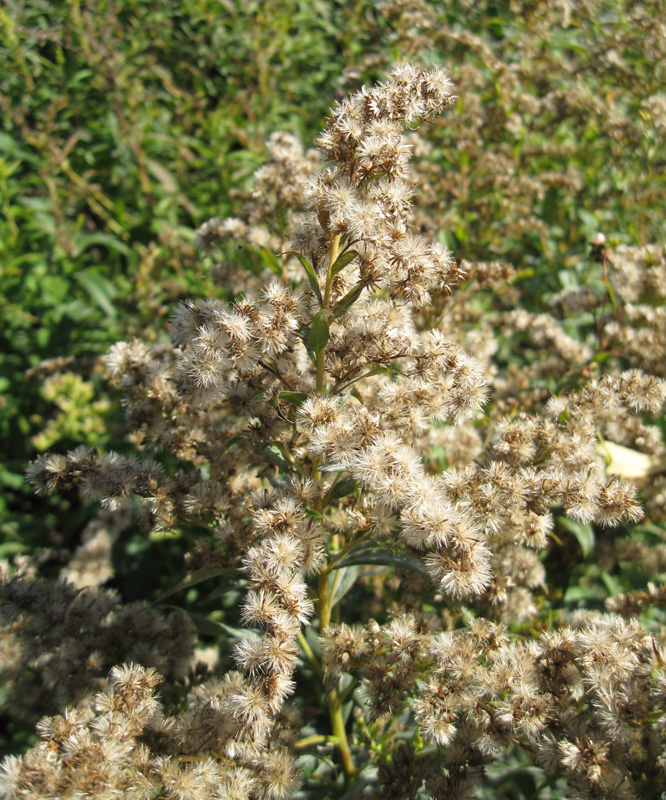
125,124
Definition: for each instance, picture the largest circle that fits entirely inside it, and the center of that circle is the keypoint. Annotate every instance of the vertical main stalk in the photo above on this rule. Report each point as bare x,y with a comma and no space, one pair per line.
334,701
326,302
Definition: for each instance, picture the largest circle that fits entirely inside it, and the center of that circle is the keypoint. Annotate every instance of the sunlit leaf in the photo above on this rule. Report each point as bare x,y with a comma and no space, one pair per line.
270,260
342,260
583,533
372,554
317,337
347,301
311,274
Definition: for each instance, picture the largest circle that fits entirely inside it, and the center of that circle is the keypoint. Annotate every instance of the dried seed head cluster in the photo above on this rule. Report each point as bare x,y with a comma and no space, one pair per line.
70,636
353,439
103,753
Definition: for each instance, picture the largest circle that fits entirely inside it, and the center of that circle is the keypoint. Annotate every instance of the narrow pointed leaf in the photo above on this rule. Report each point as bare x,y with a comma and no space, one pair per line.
270,260
210,627
293,398
101,290
584,534
612,584
371,554
611,295
342,488
312,275
195,577
275,458
231,442
368,374
318,334
339,585
347,301
342,260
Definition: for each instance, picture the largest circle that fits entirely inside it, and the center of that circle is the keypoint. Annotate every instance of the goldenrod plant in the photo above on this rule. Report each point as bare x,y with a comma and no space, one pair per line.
387,505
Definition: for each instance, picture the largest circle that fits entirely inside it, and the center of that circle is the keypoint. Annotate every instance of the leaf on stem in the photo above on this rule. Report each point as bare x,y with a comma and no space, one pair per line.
210,627
196,577
312,275
231,442
271,261
317,337
368,374
293,398
342,488
372,554
272,454
348,301
339,584
342,260
583,533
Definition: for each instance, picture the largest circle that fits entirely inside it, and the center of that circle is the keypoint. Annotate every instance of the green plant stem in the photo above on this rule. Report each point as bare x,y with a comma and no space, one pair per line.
324,606
330,491
338,725
334,699
335,252
334,587
310,655
317,738
340,554
286,452
326,302
344,695
320,371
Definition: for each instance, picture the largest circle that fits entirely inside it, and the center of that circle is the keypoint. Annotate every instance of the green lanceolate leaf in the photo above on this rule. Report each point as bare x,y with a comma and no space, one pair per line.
317,337
211,627
583,534
372,554
271,261
342,260
612,583
293,398
347,301
368,374
196,577
611,296
231,442
340,583
342,488
271,454
312,275
100,289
